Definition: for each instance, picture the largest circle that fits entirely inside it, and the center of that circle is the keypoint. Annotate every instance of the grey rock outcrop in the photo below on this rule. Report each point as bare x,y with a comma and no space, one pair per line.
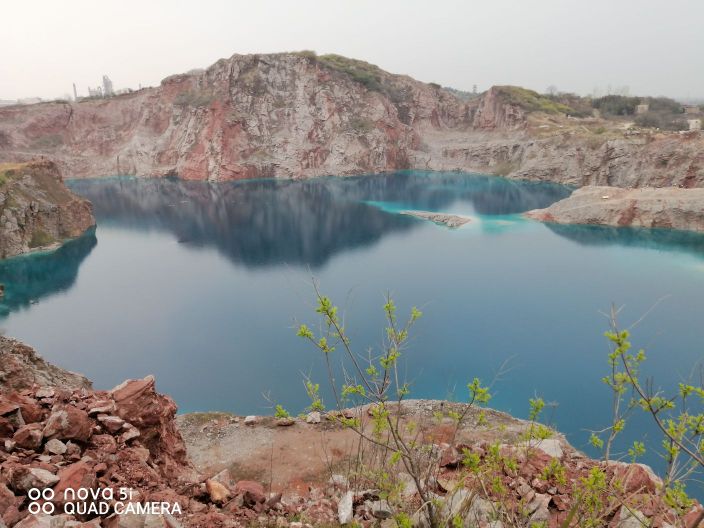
672,208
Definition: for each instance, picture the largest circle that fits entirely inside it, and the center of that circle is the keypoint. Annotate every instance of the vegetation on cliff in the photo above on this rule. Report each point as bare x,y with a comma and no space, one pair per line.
532,101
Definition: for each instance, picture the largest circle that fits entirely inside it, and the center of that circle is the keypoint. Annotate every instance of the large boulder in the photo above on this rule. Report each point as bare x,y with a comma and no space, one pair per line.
68,423
29,436
76,476
153,415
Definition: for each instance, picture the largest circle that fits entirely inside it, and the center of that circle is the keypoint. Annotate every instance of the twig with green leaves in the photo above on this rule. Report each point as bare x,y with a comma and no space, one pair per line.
376,381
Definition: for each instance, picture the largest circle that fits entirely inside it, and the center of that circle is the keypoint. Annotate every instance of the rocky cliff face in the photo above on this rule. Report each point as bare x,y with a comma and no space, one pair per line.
37,211
287,115
295,115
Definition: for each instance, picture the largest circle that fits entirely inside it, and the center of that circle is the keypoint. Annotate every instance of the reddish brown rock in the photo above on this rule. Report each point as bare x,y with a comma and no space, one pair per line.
75,476
104,443
24,478
634,478
6,428
450,457
31,411
7,407
29,436
68,423
561,502
251,492
153,415
7,499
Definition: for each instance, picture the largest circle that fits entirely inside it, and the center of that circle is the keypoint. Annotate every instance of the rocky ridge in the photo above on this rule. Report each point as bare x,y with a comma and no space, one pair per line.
127,440
37,211
295,115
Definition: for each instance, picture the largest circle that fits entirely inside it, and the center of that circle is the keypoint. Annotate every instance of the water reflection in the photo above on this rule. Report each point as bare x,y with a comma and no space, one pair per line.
658,239
31,277
269,222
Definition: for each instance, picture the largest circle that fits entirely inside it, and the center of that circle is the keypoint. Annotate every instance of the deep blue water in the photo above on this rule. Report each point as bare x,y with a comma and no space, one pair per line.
201,284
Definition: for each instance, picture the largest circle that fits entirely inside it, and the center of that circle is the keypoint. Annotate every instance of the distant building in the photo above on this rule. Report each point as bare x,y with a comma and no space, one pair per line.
642,108
95,92
107,86
75,93
695,124
692,109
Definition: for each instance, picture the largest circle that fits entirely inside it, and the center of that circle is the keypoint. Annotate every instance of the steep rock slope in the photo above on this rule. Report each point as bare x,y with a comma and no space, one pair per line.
37,210
296,115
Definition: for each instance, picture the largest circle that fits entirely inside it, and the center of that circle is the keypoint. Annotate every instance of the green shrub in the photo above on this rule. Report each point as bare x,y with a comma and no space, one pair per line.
281,413
40,238
663,120
193,98
359,71
503,168
361,125
306,54
531,101
5,176
616,105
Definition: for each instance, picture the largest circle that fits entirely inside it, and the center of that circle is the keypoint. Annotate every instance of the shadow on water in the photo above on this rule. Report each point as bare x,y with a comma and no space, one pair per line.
30,277
270,222
659,239
255,223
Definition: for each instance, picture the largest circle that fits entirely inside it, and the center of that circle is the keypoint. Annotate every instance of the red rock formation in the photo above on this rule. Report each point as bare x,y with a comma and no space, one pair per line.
244,117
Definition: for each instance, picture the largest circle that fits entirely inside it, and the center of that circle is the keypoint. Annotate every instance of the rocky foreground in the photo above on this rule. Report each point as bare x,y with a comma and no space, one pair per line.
670,208
37,211
127,446
296,115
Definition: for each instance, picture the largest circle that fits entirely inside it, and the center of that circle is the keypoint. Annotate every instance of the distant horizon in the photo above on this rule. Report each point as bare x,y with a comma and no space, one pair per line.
648,46
597,92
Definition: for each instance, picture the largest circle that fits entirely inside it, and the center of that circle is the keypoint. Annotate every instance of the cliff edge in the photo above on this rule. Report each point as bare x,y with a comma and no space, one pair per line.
37,211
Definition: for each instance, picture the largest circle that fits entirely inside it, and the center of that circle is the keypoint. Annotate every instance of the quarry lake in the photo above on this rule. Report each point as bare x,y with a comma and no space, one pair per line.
202,284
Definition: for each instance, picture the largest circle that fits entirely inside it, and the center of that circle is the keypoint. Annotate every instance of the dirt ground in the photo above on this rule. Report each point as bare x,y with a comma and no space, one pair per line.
289,458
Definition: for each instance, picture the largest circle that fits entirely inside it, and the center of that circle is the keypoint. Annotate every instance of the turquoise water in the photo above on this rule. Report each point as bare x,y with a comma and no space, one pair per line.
201,285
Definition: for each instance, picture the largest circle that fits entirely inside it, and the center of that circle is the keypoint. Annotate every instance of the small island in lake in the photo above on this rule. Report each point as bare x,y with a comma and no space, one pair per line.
450,220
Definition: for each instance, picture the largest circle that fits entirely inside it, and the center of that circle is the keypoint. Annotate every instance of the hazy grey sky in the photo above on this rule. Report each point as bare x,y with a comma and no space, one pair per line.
654,47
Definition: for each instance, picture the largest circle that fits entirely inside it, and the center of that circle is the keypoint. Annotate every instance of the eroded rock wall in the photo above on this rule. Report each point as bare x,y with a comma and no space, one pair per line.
293,115
37,211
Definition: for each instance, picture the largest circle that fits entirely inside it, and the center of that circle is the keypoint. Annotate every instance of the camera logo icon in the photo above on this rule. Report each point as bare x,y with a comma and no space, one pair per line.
46,494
